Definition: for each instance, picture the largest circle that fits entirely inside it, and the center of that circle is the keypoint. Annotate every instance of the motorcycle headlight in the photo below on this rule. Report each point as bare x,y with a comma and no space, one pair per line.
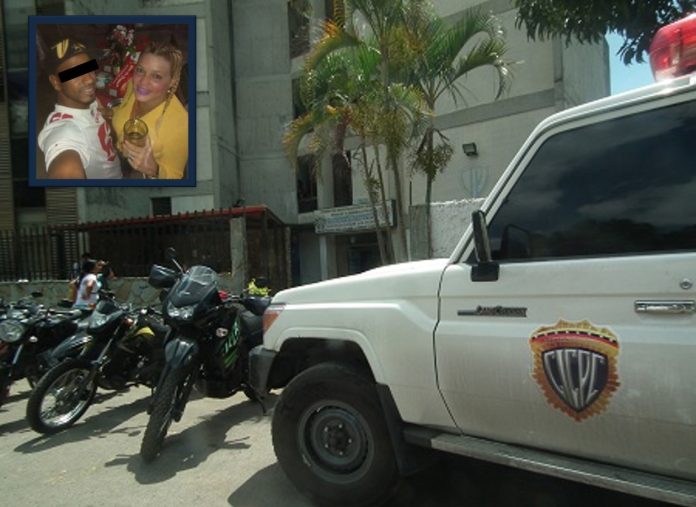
181,313
11,331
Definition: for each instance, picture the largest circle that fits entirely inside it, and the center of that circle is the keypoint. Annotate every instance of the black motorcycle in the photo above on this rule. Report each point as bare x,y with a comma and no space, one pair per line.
212,334
122,347
28,333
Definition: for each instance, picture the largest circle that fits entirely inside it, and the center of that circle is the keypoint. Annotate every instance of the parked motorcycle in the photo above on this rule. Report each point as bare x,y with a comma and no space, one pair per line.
212,334
28,333
122,347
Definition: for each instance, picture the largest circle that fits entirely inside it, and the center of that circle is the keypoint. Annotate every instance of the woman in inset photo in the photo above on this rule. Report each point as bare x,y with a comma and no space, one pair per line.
151,123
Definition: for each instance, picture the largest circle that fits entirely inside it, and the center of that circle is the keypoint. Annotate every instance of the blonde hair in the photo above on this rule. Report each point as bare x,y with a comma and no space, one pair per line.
174,56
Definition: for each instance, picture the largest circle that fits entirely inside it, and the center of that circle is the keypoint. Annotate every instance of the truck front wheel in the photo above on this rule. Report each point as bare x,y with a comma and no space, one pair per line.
331,439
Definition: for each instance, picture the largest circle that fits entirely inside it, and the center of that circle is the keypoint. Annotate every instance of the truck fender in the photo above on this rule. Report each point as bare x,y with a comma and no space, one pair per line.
338,335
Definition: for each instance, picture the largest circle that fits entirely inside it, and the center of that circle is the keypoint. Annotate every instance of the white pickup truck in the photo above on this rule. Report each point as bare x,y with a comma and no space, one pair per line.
559,337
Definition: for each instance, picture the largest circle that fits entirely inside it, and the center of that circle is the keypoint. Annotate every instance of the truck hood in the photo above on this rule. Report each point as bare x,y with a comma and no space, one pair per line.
396,281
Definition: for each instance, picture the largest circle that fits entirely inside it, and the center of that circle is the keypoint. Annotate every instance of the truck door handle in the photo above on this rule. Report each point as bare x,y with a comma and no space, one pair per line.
665,307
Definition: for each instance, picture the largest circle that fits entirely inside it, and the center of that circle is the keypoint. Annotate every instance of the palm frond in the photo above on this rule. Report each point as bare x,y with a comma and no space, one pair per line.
333,37
295,133
487,53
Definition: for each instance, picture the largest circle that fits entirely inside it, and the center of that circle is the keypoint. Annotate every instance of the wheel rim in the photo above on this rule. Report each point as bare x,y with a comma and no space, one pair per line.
65,398
336,441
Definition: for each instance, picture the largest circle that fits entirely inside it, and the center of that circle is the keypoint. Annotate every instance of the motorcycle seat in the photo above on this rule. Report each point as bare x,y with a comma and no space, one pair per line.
72,314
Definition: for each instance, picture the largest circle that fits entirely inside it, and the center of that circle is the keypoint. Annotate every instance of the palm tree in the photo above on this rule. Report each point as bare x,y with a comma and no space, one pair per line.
339,96
399,113
445,54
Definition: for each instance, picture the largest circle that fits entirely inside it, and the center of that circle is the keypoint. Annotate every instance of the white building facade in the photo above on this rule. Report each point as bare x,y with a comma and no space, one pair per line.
244,101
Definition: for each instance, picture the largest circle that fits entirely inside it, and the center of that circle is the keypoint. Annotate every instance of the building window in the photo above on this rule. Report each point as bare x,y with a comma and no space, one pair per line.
342,179
161,206
24,195
299,14
298,107
306,184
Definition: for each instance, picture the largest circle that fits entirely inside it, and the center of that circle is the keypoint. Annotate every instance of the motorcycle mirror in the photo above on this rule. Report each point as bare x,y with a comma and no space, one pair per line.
171,255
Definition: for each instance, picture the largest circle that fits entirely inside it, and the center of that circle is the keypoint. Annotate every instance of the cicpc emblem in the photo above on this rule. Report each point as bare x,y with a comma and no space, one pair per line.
575,364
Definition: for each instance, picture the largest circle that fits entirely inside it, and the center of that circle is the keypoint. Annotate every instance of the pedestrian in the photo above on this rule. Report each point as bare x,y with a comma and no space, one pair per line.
88,289
76,139
106,274
151,97
76,268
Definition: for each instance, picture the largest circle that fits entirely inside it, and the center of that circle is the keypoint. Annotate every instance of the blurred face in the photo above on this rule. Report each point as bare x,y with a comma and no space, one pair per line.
151,80
78,92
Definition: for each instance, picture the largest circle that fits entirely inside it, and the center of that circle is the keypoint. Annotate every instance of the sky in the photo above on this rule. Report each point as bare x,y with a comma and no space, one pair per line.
626,77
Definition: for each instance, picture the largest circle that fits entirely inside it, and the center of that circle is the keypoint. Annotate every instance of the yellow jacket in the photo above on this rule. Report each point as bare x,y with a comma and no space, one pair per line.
169,141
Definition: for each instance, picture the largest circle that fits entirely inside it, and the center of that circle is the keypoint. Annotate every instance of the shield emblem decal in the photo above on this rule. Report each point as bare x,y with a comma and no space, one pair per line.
575,366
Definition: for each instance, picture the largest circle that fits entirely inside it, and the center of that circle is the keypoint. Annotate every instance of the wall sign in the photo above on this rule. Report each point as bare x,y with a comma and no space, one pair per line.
353,218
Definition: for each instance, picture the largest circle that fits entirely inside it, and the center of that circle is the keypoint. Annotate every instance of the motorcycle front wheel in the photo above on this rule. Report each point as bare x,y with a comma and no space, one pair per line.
61,397
163,406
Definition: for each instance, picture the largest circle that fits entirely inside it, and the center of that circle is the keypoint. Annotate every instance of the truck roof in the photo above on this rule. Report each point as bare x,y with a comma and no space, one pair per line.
642,94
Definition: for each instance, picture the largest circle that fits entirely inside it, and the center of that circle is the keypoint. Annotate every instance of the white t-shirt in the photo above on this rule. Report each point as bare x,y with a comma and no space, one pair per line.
86,132
82,300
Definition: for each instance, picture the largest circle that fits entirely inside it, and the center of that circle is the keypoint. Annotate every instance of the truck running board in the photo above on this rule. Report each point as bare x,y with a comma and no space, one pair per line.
656,487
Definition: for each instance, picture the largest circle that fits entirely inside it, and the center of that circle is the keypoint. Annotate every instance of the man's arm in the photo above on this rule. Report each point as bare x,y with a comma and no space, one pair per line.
67,165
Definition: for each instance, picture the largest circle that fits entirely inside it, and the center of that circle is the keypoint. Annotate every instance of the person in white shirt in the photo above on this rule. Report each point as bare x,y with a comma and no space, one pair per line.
88,289
76,139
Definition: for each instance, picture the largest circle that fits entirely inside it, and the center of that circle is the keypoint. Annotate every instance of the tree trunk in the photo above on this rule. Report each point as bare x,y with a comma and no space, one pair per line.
400,223
430,177
378,226
383,195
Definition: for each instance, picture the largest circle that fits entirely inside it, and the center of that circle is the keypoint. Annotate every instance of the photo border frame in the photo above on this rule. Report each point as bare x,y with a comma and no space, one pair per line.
32,133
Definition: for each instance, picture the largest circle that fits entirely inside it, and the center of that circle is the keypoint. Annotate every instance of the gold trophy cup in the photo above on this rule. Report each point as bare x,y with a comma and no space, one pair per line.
135,131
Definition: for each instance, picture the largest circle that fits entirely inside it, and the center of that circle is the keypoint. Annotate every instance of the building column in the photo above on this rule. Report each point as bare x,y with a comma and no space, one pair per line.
327,256
238,253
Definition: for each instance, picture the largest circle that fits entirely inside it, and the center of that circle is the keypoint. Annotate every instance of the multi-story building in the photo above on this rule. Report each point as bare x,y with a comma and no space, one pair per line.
249,54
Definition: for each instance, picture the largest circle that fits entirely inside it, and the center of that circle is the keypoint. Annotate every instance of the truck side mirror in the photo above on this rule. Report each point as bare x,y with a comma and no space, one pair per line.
485,270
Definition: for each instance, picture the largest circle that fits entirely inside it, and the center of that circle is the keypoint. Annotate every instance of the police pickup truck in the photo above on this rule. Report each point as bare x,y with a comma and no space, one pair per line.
559,337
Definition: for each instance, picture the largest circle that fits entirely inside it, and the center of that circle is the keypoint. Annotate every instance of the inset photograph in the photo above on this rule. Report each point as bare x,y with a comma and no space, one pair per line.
112,101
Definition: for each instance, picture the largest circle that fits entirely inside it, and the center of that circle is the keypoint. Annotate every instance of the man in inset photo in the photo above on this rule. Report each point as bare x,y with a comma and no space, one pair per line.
76,139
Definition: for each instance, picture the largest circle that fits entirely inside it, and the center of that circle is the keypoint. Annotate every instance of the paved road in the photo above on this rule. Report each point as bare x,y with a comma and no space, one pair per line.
220,454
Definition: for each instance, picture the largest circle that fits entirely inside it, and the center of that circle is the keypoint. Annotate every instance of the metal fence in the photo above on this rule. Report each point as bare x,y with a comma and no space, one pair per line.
132,246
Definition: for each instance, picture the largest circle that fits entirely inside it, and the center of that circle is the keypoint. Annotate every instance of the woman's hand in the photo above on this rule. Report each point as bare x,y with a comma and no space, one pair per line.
140,157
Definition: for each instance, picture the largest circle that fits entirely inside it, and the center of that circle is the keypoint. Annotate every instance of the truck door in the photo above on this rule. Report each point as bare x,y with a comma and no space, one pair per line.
586,342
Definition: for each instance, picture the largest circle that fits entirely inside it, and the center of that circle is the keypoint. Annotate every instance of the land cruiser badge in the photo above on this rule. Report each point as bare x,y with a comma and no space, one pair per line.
575,365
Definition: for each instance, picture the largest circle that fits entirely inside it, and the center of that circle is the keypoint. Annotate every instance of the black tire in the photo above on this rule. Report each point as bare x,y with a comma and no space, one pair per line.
331,439
161,415
65,382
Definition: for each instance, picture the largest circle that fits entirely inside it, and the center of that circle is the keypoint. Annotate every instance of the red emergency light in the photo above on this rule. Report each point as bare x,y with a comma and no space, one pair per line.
673,49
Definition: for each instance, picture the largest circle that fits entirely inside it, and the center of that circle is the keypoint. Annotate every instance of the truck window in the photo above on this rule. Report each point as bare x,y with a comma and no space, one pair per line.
621,187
